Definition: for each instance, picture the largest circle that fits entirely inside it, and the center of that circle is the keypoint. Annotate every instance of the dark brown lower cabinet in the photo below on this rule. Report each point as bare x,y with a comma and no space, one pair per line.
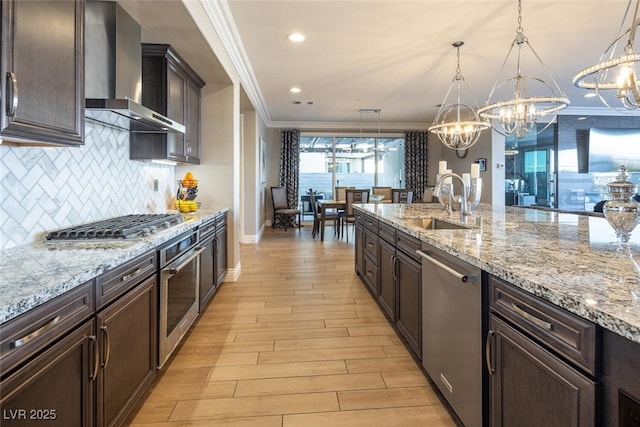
221,251
409,300
387,271
56,387
359,244
529,386
127,352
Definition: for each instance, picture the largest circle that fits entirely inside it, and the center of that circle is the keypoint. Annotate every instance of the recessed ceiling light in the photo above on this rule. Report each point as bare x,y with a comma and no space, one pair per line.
590,95
294,90
296,37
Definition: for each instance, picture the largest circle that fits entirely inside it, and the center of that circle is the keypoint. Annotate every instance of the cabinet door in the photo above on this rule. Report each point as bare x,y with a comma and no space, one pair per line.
176,102
208,275
221,255
531,387
359,245
192,137
387,276
43,72
55,388
409,309
127,337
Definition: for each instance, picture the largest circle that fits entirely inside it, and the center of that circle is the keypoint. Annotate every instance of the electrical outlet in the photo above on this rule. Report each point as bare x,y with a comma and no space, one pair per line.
155,185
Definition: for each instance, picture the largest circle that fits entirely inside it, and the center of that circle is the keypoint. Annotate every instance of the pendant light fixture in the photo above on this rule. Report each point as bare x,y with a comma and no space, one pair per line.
458,125
516,104
613,77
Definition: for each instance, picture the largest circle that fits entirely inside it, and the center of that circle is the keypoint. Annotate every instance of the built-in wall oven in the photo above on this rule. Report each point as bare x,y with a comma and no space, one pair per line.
179,290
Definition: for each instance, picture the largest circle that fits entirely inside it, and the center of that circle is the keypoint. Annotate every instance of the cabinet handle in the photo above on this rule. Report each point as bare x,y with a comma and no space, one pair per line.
530,317
463,277
96,357
393,267
12,94
35,334
215,246
487,352
130,275
107,341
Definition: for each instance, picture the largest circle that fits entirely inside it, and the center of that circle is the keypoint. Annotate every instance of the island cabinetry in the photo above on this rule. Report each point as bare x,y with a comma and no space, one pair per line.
42,72
359,243
542,362
400,295
213,261
172,88
620,381
367,246
409,292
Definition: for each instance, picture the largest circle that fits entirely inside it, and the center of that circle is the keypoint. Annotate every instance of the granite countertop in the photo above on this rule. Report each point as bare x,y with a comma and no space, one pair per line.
567,259
33,274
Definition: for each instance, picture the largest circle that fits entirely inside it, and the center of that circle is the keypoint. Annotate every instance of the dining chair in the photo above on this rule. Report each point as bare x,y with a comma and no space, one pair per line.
339,193
283,214
382,191
352,196
317,216
401,195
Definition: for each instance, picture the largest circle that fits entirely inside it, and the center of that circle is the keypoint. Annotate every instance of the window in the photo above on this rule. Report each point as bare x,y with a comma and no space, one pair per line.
350,161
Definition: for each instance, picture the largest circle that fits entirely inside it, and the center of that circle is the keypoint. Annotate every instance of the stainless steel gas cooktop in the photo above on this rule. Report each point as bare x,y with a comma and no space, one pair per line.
123,227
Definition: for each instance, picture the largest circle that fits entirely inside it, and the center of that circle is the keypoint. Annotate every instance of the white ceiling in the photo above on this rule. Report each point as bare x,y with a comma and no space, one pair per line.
393,55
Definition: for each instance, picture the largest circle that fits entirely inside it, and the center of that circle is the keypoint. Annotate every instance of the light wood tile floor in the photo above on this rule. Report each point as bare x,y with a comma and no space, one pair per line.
297,341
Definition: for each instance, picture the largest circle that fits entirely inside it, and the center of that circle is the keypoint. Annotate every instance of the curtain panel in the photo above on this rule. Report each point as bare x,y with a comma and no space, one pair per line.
290,165
416,161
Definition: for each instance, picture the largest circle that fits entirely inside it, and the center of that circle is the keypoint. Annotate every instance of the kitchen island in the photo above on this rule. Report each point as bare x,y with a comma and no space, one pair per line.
566,259
548,330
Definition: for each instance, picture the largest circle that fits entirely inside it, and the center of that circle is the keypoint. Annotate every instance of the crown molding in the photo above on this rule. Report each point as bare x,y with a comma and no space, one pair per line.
224,25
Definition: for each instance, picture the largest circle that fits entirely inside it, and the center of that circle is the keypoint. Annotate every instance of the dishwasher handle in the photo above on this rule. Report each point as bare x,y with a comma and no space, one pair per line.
464,278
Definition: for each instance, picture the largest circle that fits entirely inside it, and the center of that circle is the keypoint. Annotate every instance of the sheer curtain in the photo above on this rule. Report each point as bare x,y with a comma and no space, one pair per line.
416,161
290,165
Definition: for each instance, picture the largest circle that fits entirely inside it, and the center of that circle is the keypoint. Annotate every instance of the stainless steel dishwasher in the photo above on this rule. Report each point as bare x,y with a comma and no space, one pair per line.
452,331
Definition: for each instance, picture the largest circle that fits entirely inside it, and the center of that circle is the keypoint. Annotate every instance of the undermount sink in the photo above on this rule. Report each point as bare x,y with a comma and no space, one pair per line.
434,224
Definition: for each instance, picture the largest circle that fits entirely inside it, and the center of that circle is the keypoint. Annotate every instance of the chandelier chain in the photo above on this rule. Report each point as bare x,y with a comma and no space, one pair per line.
520,30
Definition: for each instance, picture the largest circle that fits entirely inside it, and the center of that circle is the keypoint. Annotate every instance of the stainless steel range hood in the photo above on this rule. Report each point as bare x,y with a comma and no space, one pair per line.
113,72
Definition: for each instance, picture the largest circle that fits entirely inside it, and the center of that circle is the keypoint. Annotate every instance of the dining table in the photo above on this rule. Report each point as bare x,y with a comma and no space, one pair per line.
323,205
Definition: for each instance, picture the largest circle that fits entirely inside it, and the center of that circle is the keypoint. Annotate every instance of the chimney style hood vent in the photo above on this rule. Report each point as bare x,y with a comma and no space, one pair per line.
113,72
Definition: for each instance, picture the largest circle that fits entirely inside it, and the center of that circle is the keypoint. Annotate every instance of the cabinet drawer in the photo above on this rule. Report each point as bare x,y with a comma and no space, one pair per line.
371,244
569,335
370,274
116,282
408,244
31,332
370,223
387,232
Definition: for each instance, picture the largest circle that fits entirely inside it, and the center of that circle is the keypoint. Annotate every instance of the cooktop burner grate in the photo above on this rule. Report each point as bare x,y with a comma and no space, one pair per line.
123,227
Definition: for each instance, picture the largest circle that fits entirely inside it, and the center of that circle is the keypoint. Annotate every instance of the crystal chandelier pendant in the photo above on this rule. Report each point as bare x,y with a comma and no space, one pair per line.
614,78
457,124
517,104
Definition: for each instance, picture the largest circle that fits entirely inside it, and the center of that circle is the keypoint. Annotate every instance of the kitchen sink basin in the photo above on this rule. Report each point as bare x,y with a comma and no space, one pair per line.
434,224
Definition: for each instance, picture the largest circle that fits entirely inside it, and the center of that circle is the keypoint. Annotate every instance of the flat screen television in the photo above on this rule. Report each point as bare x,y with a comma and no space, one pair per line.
610,148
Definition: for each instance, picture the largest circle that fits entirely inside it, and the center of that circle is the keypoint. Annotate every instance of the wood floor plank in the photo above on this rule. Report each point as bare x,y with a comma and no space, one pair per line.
386,398
297,341
431,416
319,383
321,354
254,406
274,370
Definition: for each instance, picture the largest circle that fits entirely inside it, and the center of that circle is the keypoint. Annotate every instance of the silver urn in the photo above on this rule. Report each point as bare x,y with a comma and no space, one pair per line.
621,210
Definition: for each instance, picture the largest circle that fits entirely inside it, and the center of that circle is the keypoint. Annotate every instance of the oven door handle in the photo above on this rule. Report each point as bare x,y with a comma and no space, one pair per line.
172,271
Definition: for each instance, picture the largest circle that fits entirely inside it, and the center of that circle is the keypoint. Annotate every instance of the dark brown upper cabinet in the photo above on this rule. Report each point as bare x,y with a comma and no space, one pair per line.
172,88
42,72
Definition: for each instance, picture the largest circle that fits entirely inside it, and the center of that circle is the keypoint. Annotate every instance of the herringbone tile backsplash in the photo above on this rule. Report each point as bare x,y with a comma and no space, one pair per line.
44,189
